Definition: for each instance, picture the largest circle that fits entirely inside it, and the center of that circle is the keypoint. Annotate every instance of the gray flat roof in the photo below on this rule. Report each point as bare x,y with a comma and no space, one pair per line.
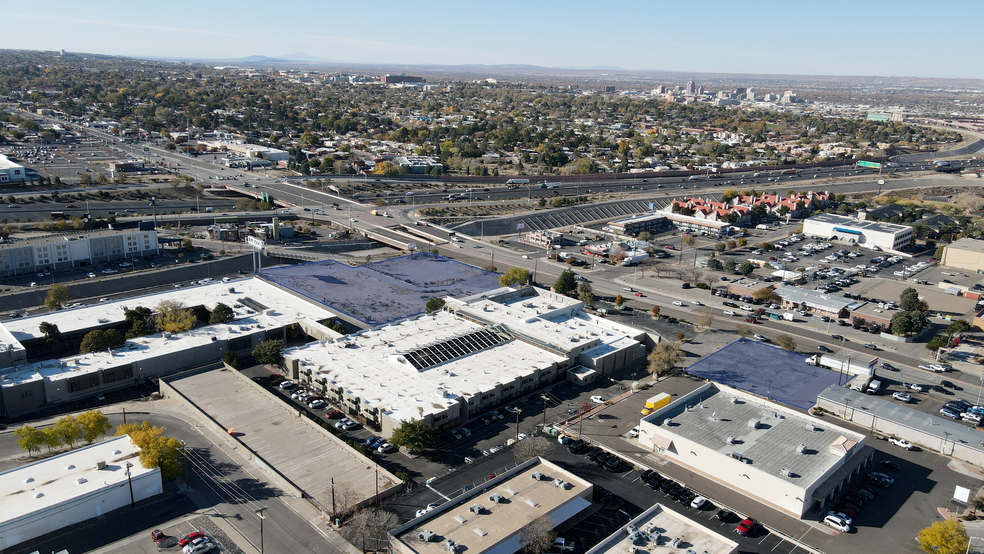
814,299
904,415
770,447
866,225
967,244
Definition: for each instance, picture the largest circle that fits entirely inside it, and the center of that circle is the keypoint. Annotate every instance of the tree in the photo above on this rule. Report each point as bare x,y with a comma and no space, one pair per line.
746,268
50,331
93,424
786,342
743,331
909,300
50,438
586,294
58,296
645,236
619,300
946,536
268,352
901,324
173,317
30,438
936,343
689,241
414,435
742,242
655,311
367,528
221,314
719,247
765,294
958,326
515,276
156,450
140,320
231,359
434,304
729,265
664,357
97,340
706,318
537,536
566,284
70,430
532,447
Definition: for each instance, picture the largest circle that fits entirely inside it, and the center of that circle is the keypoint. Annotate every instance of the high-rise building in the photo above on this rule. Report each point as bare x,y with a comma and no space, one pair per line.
691,88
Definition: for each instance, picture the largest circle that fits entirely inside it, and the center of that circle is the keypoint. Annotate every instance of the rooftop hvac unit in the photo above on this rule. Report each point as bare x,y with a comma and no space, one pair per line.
559,483
801,448
810,427
784,472
427,536
730,439
754,423
734,399
668,421
476,508
101,464
536,475
496,498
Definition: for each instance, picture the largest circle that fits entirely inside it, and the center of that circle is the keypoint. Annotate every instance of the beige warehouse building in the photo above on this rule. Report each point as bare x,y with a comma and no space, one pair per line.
966,254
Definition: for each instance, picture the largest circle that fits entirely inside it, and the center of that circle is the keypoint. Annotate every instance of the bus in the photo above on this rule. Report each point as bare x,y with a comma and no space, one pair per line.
59,215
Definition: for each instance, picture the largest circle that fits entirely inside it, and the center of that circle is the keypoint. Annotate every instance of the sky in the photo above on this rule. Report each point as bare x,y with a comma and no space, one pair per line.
902,38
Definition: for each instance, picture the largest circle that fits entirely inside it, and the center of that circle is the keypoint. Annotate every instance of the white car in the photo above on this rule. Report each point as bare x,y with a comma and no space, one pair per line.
698,503
761,338
429,508
842,516
903,396
696,303
287,385
598,399
677,303
837,523
729,312
385,447
315,404
634,432
901,443
747,308
92,275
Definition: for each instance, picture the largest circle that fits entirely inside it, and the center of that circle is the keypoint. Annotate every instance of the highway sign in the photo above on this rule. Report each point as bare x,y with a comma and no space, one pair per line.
520,226
255,242
874,165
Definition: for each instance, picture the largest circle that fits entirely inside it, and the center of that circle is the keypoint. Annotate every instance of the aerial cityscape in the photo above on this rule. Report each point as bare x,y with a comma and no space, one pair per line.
288,285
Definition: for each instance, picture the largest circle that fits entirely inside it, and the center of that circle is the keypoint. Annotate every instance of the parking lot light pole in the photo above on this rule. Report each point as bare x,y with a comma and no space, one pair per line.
518,411
262,516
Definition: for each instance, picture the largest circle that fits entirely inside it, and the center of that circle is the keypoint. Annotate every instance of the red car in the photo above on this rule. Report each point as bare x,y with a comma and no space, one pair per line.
333,414
190,537
71,206
751,319
637,293
746,526
157,535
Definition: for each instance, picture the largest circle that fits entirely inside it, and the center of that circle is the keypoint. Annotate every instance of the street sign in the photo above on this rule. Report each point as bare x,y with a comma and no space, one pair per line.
874,165
411,246
520,226
255,243
652,206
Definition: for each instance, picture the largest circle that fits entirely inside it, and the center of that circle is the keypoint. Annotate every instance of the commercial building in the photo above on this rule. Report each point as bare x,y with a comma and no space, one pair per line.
11,172
77,486
966,254
418,164
261,311
489,519
660,221
660,526
782,458
248,150
869,234
481,351
401,78
797,298
67,250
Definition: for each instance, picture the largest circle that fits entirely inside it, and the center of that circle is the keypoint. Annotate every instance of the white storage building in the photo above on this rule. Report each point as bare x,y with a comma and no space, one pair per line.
89,482
869,234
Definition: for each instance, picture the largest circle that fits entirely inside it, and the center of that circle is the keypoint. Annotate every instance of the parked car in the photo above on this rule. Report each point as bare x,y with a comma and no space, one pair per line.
316,404
598,399
385,447
947,412
190,537
903,396
287,385
949,385
891,465
746,526
698,503
838,523
723,515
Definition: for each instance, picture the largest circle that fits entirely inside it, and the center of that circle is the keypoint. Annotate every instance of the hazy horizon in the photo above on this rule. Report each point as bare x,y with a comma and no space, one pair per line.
837,38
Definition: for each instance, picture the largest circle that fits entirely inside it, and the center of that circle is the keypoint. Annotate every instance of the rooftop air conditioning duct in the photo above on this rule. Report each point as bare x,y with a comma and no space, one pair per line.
496,498
754,423
801,448
730,439
668,421
536,475
784,472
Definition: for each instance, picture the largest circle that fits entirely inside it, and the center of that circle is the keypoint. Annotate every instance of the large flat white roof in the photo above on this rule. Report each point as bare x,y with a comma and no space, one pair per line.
658,526
372,365
285,307
281,308
782,440
60,479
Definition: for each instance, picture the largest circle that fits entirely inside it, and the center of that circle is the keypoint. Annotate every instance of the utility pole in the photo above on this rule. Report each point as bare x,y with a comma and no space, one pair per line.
262,516
129,482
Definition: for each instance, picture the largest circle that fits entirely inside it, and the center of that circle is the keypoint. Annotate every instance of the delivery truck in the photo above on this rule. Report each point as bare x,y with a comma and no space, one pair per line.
656,402
858,364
